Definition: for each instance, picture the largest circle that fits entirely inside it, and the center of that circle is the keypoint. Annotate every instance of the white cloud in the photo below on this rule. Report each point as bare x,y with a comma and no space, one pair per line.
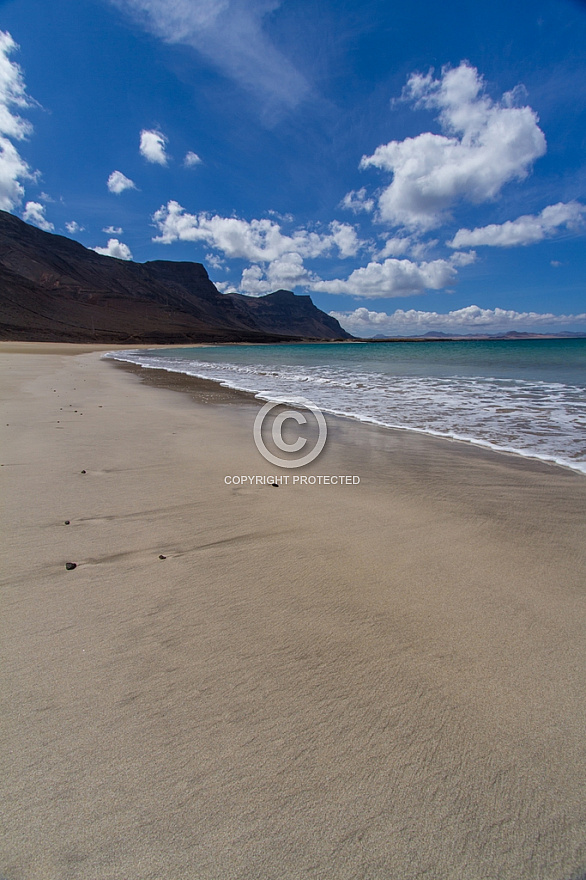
395,247
34,213
485,145
12,92
73,226
357,200
152,146
116,249
118,182
277,258
13,168
254,282
463,258
113,230
224,286
395,278
229,34
260,241
214,261
286,218
191,159
286,272
469,320
399,245
525,230
345,239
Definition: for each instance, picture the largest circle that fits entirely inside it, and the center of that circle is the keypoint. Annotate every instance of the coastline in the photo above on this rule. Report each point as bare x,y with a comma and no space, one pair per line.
383,679
497,441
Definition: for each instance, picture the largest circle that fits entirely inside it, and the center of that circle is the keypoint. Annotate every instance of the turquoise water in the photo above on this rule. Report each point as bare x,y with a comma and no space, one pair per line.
526,396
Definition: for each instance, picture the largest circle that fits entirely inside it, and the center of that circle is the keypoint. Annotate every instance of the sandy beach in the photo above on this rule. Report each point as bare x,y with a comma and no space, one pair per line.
383,680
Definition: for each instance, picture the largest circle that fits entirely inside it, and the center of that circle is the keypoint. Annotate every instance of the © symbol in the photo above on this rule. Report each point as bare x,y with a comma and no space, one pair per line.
277,435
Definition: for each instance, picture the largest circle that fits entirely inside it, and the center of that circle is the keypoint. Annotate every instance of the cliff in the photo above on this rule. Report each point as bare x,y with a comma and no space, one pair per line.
53,289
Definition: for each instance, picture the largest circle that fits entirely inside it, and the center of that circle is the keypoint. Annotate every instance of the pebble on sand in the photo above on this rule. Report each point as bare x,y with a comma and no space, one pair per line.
70,565
161,556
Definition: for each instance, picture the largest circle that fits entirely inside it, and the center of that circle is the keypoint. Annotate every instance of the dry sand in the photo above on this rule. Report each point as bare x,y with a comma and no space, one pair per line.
383,680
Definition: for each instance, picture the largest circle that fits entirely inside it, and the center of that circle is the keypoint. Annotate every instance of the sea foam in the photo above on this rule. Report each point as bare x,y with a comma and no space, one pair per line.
529,417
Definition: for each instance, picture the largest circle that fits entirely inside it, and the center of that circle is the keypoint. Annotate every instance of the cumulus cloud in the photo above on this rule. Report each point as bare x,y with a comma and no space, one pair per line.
153,145
395,278
345,239
395,247
229,35
13,168
118,182
357,200
12,92
484,145
214,261
34,213
469,320
463,258
525,230
278,258
286,272
225,286
260,241
191,159
113,230
73,226
116,249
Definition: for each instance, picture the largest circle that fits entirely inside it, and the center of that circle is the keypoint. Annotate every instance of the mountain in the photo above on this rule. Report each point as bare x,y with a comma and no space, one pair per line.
510,336
53,289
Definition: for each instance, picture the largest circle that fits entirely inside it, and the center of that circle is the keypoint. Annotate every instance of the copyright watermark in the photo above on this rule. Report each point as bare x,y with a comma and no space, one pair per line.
285,439
293,480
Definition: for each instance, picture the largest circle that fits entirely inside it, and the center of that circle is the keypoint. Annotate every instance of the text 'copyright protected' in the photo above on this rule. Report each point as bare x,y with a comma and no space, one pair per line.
293,480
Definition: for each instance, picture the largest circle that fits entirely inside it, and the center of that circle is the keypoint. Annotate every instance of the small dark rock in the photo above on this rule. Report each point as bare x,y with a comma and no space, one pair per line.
70,565
161,556
83,472
67,521
276,485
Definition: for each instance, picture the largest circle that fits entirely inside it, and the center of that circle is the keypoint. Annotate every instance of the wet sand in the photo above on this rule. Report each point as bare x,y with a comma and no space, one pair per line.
382,680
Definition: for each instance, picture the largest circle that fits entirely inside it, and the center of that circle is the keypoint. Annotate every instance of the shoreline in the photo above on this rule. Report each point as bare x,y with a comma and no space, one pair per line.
77,348
212,389
378,680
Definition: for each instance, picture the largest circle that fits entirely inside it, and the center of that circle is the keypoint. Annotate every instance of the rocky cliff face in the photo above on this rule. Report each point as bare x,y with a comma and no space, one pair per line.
53,289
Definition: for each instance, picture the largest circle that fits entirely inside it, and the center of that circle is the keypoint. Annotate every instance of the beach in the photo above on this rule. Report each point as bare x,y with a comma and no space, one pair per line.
379,679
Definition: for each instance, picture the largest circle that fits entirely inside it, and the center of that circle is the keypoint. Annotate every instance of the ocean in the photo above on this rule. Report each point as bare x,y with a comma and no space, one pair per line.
521,396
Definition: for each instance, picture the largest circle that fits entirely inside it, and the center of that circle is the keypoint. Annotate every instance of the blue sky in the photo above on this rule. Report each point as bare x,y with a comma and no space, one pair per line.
413,167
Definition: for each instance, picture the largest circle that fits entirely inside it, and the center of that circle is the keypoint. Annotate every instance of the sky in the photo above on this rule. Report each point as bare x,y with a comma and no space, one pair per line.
413,167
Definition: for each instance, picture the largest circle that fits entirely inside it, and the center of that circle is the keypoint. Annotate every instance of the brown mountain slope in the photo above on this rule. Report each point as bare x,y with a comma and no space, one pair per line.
53,289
